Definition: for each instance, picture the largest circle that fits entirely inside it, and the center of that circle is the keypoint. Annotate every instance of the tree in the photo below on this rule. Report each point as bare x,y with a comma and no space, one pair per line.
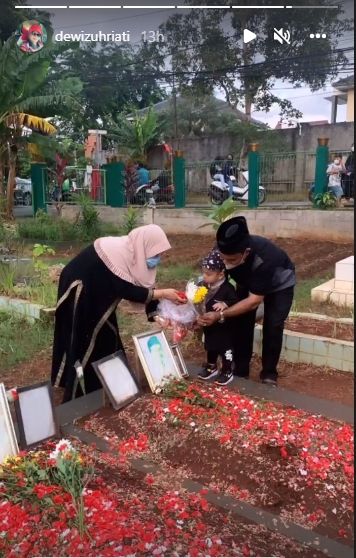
137,134
11,18
111,78
205,51
21,103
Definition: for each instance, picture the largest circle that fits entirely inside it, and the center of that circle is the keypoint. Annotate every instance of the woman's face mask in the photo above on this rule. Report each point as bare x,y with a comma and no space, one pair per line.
153,262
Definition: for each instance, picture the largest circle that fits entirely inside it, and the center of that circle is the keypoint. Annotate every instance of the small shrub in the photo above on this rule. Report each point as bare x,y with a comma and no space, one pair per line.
89,223
7,279
221,213
43,227
324,201
131,220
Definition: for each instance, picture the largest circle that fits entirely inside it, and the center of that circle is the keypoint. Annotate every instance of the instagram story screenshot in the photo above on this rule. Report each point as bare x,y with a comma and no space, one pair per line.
177,278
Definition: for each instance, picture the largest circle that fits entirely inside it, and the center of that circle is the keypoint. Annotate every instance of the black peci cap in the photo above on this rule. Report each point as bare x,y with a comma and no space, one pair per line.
232,236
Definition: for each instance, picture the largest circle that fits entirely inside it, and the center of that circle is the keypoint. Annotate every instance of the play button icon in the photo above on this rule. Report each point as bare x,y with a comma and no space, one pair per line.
249,36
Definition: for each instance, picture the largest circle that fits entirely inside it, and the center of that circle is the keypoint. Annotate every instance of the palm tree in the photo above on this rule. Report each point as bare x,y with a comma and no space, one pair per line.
22,105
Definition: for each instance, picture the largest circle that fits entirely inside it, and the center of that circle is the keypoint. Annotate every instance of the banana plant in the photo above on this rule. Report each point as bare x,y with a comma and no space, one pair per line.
221,213
22,103
137,134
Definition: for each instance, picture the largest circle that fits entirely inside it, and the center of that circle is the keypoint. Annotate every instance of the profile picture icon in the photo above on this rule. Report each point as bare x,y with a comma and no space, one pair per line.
32,36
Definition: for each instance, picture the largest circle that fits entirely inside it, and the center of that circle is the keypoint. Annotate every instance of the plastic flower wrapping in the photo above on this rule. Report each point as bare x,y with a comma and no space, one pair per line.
181,318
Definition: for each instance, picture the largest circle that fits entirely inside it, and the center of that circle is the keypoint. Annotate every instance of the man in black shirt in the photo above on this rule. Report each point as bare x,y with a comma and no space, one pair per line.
263,273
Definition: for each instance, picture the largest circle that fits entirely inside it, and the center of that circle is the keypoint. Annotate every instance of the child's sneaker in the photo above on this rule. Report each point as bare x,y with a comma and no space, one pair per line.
225,378
209,371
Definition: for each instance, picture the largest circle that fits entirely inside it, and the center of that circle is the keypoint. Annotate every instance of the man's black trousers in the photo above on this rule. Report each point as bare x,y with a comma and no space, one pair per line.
276,309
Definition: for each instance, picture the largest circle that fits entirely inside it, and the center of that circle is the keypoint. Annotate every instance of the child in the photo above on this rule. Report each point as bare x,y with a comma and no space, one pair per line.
217,338
334,172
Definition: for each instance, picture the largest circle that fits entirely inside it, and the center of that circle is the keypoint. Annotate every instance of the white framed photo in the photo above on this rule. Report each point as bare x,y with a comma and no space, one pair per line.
180,361
35,413
118,381
158,361
8,441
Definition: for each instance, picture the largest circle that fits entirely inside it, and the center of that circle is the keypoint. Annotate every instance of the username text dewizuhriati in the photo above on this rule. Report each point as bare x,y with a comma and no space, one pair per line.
99,36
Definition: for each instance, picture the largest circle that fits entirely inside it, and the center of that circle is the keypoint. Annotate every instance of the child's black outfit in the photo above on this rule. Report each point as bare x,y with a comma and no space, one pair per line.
218,337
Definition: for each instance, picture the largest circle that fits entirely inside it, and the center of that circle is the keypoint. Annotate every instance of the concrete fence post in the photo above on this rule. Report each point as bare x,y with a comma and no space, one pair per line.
321,165
254,162
39,182
179,179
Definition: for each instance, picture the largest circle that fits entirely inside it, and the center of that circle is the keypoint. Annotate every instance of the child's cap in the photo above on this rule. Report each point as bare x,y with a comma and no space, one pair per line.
213,261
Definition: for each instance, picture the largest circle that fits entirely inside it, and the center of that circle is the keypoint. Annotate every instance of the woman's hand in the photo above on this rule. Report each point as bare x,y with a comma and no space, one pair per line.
220,306
169,294
208,319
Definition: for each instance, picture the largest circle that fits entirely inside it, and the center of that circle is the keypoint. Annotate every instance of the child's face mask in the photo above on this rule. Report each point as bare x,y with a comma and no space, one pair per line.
337,161
153,262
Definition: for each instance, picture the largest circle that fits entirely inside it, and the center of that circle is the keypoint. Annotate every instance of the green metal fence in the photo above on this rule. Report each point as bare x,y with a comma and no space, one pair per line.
287,177
91,184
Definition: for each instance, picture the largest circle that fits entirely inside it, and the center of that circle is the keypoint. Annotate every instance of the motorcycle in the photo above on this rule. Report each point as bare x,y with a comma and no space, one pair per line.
220,192
153,192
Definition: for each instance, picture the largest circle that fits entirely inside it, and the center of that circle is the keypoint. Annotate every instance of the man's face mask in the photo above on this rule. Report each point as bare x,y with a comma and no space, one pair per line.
236,260
153,262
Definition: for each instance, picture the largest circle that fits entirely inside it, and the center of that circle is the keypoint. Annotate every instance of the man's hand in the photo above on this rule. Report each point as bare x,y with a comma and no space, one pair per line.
208,319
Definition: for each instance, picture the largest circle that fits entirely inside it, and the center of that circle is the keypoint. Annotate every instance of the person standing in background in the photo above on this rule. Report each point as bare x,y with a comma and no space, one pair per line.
334,172
143,174
349,176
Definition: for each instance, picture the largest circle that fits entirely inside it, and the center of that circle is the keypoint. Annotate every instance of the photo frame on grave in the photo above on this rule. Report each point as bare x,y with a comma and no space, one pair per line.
180,361
117,379
157,358
8,441
35,412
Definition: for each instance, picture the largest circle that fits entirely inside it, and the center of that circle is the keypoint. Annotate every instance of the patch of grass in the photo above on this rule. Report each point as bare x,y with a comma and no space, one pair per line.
48,229
303,302
15,348
170,274
44,294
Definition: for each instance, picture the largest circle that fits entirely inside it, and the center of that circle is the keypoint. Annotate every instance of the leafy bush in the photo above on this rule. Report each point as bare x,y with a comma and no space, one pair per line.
89,224
131,220
324,201
48,229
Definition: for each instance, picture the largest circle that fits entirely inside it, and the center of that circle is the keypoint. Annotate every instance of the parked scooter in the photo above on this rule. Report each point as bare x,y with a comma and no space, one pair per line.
155,191
220,192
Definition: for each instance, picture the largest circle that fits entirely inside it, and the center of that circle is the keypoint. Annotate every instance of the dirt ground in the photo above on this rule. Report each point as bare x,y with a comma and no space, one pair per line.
258,473
316,258
312,258
322,328
239,536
